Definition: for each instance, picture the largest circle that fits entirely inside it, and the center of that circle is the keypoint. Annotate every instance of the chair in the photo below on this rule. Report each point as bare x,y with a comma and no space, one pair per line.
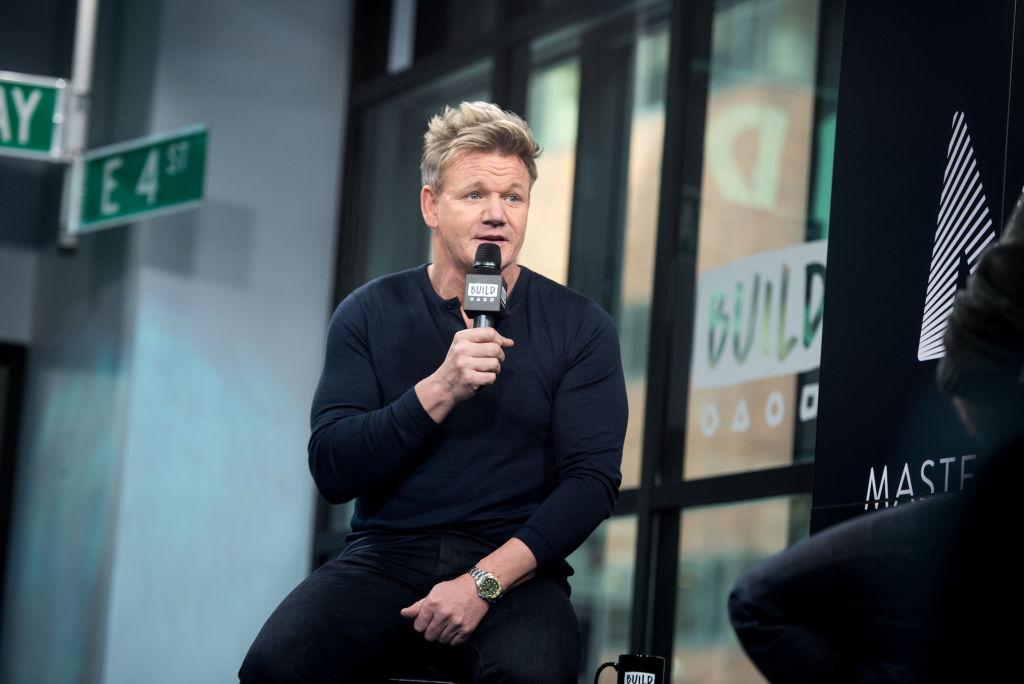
423,662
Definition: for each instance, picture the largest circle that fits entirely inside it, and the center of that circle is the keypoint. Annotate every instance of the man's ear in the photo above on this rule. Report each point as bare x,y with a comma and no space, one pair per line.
428,206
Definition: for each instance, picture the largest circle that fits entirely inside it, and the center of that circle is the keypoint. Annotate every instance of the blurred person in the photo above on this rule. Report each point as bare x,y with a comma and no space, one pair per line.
479,458
976,632
924,592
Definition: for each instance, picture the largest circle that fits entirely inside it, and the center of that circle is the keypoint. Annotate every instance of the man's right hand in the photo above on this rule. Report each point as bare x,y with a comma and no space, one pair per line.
473,361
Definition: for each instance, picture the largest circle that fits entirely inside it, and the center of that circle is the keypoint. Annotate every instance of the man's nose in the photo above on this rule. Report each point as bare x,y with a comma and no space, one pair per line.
494,211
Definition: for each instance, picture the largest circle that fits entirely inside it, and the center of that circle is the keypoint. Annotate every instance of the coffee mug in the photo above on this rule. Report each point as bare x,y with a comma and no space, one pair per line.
637,669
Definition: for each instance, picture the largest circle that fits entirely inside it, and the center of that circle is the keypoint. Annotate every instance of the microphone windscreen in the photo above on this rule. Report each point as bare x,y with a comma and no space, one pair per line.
488,259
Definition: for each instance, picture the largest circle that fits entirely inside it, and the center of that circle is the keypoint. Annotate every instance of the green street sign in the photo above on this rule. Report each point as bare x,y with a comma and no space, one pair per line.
138,179
31,116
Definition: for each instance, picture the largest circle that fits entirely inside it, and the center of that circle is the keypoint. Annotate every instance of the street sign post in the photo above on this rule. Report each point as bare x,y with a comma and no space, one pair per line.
31,116
137,179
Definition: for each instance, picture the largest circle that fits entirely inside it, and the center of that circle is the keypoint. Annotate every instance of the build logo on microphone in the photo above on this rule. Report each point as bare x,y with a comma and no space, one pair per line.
479,292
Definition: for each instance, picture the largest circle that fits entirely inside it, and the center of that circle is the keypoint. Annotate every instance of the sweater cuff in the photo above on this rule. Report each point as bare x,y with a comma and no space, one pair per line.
538,545
412,413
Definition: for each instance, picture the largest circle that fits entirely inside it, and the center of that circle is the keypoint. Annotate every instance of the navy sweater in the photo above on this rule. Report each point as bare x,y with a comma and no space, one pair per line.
535,455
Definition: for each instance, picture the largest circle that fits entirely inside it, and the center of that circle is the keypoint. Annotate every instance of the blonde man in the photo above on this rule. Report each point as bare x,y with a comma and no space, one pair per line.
479,458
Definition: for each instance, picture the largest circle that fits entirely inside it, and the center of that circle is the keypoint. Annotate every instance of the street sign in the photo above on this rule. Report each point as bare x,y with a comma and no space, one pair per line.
138,179
31,116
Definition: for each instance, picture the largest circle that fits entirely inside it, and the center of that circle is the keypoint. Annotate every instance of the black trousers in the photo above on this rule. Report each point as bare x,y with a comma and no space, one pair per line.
854,603
342,623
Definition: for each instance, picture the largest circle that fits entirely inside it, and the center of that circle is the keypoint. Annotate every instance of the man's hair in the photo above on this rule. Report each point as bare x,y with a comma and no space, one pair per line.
475,127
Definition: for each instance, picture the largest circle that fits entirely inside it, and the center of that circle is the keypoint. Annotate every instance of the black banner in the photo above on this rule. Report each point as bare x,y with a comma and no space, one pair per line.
927,167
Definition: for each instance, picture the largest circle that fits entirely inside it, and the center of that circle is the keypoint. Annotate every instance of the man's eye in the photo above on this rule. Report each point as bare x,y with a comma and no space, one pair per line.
514,199
474,195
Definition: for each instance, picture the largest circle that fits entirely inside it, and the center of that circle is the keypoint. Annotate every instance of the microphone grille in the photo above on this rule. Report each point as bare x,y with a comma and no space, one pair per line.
488,259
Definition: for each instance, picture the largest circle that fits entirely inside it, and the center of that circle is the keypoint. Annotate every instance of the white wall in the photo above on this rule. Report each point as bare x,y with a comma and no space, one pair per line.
165,505
215,522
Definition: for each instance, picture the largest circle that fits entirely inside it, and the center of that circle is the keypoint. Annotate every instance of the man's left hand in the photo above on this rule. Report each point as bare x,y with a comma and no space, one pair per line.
450,612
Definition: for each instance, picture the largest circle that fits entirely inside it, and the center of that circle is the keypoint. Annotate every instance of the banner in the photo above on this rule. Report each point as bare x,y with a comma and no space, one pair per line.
923,181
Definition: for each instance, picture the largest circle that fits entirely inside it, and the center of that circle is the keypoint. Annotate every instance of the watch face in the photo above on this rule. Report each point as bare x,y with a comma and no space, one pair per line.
489,587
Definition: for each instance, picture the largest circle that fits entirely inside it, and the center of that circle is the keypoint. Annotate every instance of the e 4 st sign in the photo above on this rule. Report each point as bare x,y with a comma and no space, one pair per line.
138,179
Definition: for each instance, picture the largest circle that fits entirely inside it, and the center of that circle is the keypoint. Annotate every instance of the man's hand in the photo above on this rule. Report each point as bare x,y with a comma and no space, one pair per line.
450,612
473,361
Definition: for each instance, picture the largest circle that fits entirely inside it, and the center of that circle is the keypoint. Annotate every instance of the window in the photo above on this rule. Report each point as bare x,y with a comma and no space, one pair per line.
760,259
717,545
388,229
553,113
684,187
601,590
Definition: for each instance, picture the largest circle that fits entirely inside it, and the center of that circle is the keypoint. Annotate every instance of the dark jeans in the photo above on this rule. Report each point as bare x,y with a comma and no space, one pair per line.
342,623
854,603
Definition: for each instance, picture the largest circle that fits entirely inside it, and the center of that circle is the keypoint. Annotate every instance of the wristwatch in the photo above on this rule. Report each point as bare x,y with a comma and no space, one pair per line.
487,585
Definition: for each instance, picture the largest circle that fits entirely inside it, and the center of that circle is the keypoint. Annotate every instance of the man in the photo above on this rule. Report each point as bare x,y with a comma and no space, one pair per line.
479,458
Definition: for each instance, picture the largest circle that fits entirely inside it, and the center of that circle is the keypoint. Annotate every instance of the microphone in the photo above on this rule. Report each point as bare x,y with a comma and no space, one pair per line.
484,300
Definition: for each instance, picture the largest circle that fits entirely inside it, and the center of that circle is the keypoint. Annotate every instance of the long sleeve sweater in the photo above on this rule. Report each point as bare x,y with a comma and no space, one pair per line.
536,455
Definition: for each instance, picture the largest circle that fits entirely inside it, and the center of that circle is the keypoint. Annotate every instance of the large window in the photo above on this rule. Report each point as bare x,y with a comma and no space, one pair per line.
684,186
717,545
636,292
552,108
391,232
601,589
760,257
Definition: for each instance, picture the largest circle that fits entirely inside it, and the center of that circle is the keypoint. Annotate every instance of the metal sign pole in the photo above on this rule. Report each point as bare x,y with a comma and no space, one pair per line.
78,118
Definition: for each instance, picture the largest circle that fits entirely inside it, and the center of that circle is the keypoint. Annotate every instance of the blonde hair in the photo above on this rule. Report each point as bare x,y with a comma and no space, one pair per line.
475,127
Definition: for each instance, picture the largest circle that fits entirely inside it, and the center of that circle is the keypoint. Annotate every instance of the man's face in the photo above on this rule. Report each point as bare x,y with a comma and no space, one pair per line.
484,197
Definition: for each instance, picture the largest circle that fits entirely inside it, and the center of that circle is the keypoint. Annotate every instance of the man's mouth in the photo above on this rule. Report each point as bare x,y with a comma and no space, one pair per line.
491,238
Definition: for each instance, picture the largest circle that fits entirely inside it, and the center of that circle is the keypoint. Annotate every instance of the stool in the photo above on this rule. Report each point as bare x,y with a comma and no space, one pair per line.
422,662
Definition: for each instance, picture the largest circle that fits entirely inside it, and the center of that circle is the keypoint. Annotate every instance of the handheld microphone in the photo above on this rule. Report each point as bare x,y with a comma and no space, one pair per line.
484,299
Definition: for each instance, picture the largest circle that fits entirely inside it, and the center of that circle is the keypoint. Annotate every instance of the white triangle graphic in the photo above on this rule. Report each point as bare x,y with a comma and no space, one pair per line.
741,420
962,231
